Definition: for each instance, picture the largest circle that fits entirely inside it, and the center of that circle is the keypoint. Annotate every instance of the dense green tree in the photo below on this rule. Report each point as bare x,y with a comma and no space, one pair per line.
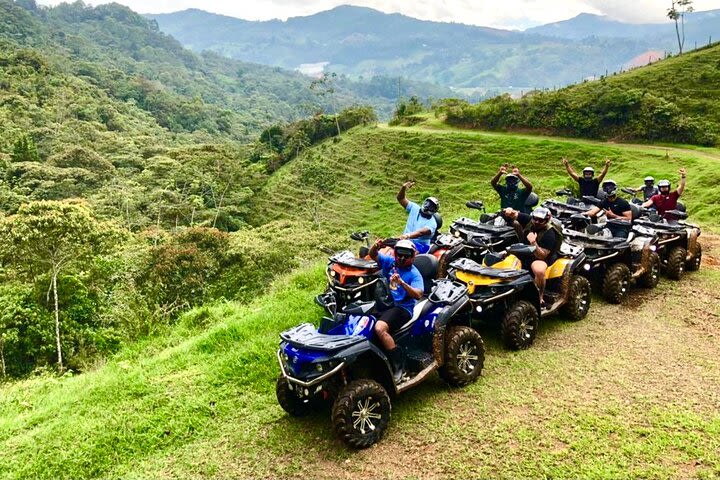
54,238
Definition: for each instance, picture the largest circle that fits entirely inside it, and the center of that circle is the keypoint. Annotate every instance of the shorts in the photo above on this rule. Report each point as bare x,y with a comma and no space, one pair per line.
395,317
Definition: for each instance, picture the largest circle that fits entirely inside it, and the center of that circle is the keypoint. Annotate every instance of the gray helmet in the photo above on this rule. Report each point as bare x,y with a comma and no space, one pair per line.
590,170
663,183
610,187
649,179
540,215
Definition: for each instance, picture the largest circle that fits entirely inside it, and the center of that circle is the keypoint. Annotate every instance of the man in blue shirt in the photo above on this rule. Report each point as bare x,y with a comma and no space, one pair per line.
406,287
421,224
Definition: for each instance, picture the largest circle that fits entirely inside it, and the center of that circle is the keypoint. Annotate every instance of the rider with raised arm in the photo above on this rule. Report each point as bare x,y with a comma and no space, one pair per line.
421,224
406,288
666,200
589,185
511,196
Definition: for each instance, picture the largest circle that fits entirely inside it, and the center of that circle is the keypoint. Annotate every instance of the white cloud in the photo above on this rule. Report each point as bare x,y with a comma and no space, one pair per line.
506,14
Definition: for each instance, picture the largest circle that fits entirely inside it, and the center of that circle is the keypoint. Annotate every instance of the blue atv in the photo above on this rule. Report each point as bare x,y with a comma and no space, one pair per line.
341,361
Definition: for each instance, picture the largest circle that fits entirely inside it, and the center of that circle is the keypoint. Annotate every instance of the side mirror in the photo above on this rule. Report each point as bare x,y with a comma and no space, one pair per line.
476,204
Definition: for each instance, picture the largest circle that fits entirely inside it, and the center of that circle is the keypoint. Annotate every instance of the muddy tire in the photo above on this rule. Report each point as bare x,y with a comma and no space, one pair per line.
464,356
579,296
519,325
616,283
290,401
650,279
694,264
676,263
361,413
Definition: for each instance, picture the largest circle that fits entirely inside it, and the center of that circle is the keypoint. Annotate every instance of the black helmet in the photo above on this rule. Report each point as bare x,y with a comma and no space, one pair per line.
540,216
404,253
430,206
610,187
511,179
589,170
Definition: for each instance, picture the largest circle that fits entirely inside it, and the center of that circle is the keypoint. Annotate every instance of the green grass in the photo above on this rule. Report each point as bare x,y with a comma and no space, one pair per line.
580,403
629,392
368,165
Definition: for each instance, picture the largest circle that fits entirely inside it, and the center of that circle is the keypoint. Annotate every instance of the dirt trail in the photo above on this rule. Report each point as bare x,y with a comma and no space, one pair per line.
640,381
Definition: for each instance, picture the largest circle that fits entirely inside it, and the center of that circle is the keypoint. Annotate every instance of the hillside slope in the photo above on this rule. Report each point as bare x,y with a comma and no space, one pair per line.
676,99
617,395
352,183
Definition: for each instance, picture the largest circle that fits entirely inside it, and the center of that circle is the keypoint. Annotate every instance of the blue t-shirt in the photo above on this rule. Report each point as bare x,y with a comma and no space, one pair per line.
410,275
416,221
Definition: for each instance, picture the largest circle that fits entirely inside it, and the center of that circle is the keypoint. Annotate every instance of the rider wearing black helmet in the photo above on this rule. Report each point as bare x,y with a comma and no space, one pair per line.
537,229
511,196
649,189
614,206
589,185
421,224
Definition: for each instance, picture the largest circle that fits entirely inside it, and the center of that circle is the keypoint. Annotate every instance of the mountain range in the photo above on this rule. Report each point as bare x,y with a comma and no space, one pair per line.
363,42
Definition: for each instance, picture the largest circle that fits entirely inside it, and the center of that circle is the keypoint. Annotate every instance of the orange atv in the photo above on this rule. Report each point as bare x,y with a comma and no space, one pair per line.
353,279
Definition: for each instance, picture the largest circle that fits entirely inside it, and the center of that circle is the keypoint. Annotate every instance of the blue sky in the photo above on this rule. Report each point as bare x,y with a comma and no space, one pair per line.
517,14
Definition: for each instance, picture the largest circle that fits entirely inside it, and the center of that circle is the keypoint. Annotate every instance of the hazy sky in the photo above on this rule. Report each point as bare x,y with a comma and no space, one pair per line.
501,14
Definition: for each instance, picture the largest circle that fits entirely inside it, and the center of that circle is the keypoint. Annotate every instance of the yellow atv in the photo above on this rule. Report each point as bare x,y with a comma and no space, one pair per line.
500,289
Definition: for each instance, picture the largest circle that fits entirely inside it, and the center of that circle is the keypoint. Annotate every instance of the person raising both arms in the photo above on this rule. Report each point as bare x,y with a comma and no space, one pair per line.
511,195
666,200
588,183
421,224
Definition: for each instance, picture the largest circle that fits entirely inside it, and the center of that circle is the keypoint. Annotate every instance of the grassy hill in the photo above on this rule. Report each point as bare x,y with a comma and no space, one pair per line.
625,393
675,99
352,183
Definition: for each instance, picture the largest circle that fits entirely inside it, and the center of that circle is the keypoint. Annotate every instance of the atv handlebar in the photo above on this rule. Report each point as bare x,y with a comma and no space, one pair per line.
628,190
476,204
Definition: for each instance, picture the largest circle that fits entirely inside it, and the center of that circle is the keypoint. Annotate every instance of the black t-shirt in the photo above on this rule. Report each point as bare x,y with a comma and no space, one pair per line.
617,206
588,187
548,241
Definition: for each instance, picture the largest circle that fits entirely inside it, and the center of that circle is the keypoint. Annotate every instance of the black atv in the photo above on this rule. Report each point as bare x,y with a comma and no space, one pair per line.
619,254
500,289
572,206
678,246
341,362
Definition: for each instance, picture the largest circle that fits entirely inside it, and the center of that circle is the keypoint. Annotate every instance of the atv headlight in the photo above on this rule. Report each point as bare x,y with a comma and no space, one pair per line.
332,273
587,267
457,233
319,367
361,280
653,248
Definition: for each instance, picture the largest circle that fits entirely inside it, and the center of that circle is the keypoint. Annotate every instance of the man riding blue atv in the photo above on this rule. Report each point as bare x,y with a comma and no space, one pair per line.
350,360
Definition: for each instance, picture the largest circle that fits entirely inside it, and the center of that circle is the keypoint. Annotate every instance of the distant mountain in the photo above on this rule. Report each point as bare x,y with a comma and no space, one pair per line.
363,42
699,26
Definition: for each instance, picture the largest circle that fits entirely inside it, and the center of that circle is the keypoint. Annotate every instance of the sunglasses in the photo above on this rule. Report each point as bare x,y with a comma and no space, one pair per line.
539,220
404,255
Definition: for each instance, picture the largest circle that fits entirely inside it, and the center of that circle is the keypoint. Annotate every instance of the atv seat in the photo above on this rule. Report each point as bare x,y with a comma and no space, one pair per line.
422,307
635,209
428,266
439,222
